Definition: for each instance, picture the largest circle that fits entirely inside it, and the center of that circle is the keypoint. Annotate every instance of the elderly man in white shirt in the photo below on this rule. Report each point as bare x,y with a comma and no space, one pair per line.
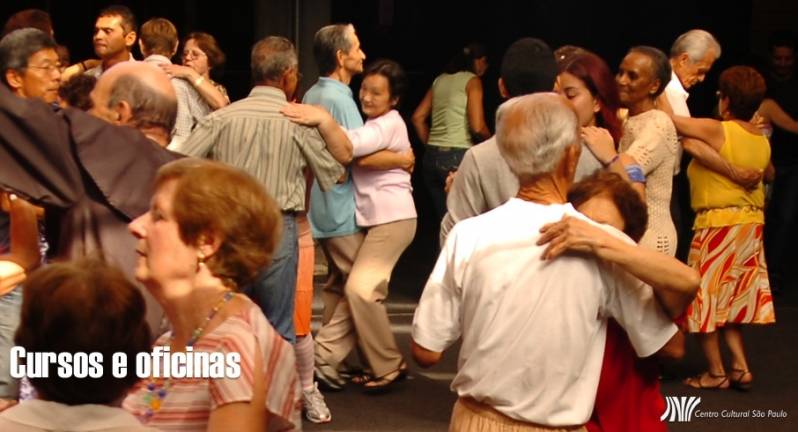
692,56
533,331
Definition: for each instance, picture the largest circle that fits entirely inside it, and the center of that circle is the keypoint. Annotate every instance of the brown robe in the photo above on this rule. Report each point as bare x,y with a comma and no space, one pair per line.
91,177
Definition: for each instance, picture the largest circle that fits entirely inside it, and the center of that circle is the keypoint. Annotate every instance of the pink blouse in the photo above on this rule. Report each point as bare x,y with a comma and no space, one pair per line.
381,196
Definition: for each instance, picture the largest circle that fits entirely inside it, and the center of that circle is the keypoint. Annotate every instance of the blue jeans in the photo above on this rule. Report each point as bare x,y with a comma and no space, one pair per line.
274,288
436,166
10,305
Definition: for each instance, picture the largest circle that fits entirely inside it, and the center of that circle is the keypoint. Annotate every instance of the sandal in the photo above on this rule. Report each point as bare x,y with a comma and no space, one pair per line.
384,383
738,383
361,378
698,383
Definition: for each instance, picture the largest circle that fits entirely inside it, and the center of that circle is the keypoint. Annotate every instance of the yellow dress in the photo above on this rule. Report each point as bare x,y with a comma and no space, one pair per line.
727,248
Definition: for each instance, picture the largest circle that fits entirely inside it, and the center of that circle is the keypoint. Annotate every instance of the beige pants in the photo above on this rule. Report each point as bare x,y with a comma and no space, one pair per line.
357,314
472,416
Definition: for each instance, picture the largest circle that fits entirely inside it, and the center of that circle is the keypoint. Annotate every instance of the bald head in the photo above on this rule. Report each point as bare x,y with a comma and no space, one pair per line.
149,75
136,94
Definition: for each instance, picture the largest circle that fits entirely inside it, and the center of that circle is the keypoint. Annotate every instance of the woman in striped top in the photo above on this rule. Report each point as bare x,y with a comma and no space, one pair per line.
209,230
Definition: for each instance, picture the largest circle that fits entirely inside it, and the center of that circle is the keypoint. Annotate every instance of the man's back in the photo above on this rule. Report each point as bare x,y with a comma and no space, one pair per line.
252,135
191,107
483,182
533,331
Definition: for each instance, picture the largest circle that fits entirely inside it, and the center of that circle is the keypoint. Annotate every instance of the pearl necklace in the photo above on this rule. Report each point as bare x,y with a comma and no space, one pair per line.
155,396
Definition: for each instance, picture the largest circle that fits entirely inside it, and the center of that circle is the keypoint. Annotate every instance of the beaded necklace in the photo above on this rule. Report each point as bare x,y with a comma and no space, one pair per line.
155,396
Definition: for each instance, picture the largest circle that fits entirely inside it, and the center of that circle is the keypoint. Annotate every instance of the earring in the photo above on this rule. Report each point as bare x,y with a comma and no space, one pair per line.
200,261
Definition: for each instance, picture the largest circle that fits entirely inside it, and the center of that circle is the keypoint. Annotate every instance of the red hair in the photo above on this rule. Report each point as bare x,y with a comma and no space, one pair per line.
598,78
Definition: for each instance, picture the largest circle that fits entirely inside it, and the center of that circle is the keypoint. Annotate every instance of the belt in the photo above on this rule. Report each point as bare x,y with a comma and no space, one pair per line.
445,149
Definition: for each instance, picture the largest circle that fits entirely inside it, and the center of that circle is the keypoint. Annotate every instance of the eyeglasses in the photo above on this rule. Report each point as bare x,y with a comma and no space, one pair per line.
47,68
194,54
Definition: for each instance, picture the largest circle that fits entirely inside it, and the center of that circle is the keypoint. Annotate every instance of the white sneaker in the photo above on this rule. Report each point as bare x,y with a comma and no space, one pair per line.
314,406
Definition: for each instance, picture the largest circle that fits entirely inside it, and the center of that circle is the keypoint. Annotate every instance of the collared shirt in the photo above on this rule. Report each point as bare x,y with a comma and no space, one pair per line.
253,136
98,70
332,213
191,107
677,97
533,331
39,416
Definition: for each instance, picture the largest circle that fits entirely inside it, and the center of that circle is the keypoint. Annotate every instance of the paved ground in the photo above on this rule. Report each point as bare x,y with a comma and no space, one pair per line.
424,401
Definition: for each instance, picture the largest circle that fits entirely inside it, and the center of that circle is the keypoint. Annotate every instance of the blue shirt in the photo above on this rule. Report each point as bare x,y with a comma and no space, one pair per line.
332,213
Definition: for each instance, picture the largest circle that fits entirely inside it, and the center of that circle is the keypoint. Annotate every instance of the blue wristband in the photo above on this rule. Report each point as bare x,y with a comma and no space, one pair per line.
635,173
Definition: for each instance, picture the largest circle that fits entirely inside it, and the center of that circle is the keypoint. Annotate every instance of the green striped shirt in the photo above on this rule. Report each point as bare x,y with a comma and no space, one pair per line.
253,136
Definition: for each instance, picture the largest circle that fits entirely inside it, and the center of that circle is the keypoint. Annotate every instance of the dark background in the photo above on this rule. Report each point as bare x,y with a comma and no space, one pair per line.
423,34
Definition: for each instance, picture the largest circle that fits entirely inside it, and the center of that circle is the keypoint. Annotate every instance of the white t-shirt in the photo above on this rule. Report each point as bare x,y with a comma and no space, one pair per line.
39,416
532,331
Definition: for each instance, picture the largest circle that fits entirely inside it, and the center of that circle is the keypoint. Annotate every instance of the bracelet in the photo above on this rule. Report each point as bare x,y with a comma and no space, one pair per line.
635,173
198,82
83,66
612,161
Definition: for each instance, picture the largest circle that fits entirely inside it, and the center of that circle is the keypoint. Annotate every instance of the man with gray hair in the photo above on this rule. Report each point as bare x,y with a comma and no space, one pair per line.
138,95
692,56
532,331
29,64
252,135
336,49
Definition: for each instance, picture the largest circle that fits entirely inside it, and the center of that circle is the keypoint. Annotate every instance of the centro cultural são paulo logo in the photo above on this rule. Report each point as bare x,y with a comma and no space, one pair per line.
681,409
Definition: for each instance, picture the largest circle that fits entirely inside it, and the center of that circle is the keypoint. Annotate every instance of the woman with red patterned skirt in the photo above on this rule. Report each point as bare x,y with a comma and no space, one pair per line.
727,247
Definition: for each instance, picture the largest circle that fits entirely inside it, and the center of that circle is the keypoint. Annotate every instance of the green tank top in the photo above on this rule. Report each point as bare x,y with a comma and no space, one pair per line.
449,117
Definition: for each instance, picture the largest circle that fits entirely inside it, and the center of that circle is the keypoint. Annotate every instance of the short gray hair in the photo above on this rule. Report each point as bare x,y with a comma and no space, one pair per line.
696,43
326,44
150,107
533,132
271,57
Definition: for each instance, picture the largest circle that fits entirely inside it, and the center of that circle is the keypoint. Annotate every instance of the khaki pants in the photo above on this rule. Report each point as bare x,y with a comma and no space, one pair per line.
357,314
472,416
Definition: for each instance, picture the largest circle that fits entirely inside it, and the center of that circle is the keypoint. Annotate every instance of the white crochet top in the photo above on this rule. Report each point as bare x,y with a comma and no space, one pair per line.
650,138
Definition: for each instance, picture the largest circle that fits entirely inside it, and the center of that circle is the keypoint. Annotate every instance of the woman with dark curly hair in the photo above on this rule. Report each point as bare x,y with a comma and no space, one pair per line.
727,247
